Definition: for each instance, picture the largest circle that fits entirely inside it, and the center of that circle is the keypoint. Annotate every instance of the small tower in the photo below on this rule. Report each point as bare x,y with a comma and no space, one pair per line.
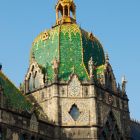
106,58
124,82
0,66
91,66
65,12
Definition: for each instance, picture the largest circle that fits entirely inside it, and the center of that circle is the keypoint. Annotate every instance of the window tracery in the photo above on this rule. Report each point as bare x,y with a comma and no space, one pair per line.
110,129
23,137
31,82
36,80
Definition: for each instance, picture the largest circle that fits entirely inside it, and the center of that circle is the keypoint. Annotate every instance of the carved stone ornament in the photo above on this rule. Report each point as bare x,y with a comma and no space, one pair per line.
74,87
34,123
75,112
90,66
110,99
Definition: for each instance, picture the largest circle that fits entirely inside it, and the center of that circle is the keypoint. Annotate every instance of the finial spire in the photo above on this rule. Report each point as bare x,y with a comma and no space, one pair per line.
124,82
65,12
91,65
107,58
0,66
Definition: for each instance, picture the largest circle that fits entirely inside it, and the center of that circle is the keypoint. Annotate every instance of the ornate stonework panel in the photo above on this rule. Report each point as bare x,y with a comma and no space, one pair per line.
104,113
15,136
83,109
7,118
63,91
74,88
34,123
34,78
117,117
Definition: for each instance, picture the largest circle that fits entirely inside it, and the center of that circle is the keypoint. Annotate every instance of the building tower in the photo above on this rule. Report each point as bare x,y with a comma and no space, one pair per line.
72,86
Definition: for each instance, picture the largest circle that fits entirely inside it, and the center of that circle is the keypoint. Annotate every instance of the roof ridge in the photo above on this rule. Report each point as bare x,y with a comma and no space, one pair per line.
6,78
135,121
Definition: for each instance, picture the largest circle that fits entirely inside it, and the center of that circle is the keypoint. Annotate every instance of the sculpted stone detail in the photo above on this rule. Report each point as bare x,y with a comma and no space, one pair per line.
34,78
124,82
7,118
85,91
9,134
55,66
63,91
34,123
83,108
110,129
74,88
110,99
117,117
15,136
104,112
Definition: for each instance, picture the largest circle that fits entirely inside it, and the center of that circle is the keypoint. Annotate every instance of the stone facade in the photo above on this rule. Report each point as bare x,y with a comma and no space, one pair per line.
76,99
53,116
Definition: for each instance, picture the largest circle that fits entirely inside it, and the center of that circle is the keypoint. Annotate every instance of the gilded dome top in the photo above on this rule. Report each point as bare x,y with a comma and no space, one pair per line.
72,47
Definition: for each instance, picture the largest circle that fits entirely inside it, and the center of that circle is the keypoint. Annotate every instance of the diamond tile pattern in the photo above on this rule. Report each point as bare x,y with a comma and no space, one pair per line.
14,97
72,46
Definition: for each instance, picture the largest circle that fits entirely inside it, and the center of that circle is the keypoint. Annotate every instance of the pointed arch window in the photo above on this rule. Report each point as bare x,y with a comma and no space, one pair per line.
36,80
23,137
103,137
60,11
110,129
31,82
66,11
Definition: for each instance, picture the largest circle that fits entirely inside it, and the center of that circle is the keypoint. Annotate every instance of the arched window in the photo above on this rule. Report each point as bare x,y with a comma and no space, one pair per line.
71,13
23,137
31,82
32,138
60,11
110,129
103,137
66,10
36,81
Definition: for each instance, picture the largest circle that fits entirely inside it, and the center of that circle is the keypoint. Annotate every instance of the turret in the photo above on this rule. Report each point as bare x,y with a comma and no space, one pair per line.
65,12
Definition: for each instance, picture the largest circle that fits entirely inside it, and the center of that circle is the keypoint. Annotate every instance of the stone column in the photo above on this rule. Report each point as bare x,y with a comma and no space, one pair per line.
57,15
63,11
68,11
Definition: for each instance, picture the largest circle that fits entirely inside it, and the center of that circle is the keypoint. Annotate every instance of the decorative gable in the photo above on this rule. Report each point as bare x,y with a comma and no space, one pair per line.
34,78
34,123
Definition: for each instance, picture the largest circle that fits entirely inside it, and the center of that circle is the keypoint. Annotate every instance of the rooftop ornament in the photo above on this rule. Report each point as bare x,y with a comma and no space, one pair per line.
65,12
124,82
0,66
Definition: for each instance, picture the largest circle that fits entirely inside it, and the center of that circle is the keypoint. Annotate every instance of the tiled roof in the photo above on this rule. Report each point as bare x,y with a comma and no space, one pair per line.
72,46
14,98
135,130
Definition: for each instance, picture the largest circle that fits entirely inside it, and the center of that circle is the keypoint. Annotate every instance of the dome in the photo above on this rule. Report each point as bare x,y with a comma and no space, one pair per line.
69,45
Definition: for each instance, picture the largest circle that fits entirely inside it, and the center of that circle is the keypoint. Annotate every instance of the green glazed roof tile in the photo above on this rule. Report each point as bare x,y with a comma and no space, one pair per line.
14,97
72,46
